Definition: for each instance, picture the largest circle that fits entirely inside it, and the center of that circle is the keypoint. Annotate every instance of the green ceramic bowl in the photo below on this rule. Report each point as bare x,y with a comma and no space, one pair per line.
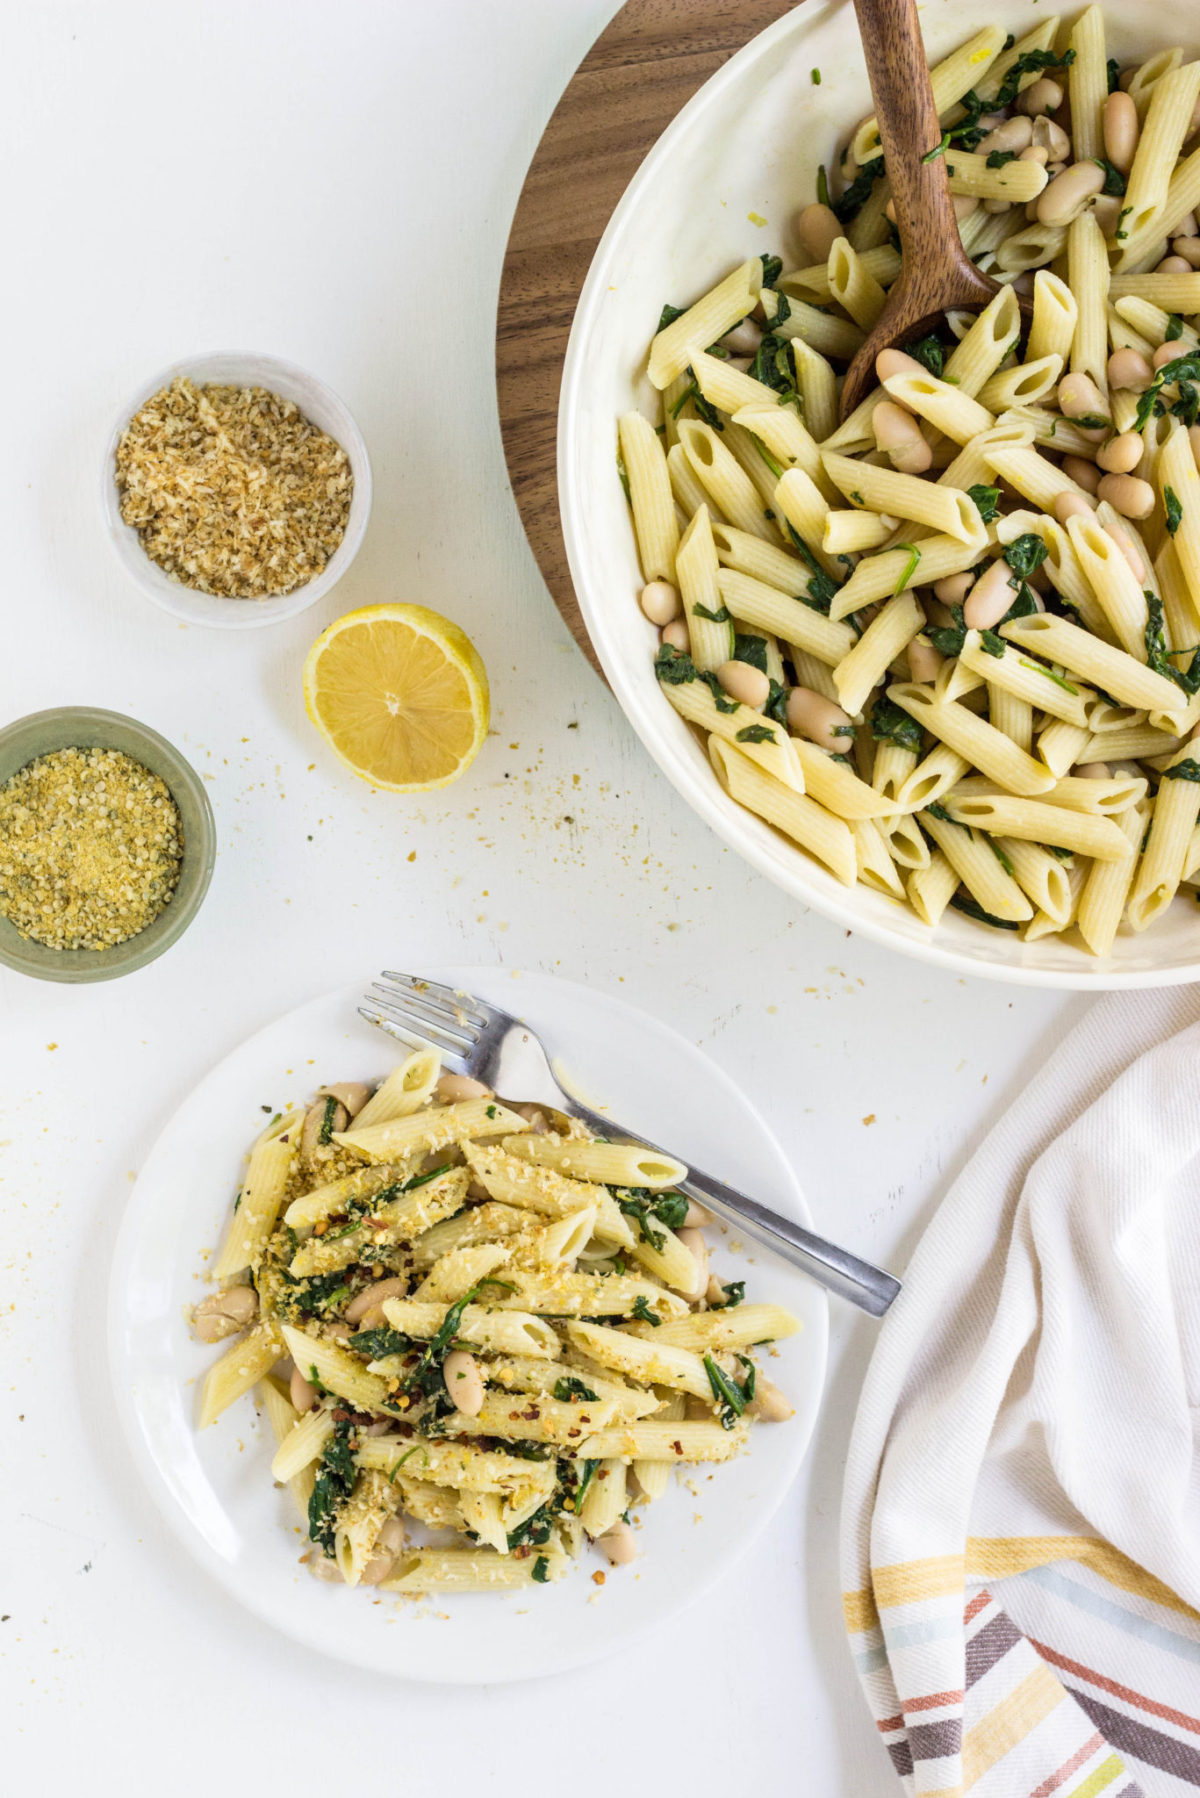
82,727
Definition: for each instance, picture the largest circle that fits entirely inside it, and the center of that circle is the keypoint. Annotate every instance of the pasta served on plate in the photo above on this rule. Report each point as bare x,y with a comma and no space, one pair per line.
480,1335
949,646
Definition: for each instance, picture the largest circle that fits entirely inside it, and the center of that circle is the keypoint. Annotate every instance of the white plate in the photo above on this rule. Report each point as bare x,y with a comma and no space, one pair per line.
746,149
215,1490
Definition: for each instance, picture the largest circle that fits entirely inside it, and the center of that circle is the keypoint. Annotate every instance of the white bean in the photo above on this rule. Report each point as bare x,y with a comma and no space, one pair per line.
1042,95
744,683
464,1381
1166,352
1072,505
898,435
1129,370
1091,771
1014,134
1067,195
314,1126
1121,130
1121,454
451,1089
618,1545
698,1216
322,1567
1079,397
952,589
393,1288
895,362
1189,249
990,597
1035,153
768,1404
1127,495
1173,265
660,602
223,1314
352,1095
388,1544
1051,137
676,634
1085,474
813,716
302,1392
924,661
818,229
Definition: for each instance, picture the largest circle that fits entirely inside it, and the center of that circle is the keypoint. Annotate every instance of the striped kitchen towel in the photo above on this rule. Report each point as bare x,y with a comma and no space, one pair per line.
1021,1519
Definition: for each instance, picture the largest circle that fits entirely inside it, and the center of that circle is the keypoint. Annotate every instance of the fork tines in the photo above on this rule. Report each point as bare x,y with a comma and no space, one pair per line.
423,1013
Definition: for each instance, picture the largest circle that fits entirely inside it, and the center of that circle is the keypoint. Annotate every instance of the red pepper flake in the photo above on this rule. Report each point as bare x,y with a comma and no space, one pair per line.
678,1447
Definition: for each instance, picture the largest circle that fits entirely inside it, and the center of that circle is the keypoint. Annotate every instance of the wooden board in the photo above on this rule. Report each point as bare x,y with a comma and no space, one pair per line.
641,70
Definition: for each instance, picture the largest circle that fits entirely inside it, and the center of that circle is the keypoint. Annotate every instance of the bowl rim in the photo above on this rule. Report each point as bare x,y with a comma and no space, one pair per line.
190,604
202,858
733,830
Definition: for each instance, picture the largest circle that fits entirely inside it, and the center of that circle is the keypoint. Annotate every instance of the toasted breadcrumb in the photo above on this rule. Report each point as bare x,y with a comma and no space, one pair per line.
91,847
232,490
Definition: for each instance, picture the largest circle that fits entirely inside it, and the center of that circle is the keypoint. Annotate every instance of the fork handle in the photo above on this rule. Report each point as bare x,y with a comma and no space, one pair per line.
868,1287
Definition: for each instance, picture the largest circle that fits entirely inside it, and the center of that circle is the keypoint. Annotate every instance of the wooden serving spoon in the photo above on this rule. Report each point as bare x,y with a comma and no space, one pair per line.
936,272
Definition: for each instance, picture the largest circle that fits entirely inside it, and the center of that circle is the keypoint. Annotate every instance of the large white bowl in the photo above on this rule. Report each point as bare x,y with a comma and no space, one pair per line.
746,148
323,408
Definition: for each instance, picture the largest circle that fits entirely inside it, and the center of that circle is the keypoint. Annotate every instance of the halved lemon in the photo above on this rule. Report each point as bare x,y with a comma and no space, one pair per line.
400,694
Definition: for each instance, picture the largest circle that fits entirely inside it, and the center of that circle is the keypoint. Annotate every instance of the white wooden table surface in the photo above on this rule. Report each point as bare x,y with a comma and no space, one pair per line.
334,185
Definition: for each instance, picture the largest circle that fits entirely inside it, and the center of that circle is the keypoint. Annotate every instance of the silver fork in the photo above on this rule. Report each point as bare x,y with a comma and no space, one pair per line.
492,1046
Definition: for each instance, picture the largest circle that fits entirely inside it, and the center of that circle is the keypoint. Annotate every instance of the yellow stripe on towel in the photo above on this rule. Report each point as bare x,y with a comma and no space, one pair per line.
1010,1722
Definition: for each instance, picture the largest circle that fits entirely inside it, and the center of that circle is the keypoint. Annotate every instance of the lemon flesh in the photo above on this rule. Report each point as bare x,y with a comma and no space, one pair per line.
400,695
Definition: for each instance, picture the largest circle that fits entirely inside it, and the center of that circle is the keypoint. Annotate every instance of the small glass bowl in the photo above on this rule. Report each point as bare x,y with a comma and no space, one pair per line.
83,727
323,408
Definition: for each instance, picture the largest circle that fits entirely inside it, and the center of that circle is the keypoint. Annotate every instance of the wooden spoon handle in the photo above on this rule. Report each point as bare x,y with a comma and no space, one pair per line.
908,126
